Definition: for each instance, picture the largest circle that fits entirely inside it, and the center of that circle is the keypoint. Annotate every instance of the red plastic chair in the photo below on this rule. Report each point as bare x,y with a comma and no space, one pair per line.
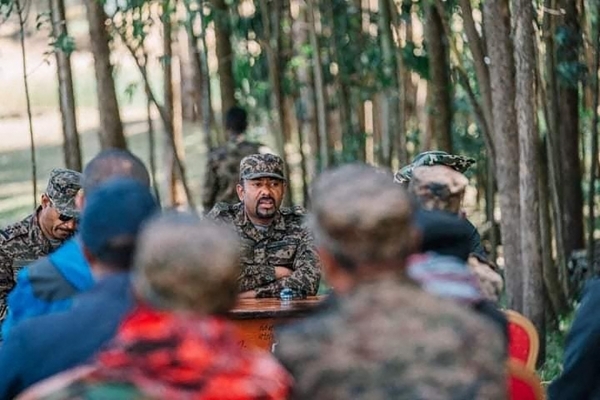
523,383
523,339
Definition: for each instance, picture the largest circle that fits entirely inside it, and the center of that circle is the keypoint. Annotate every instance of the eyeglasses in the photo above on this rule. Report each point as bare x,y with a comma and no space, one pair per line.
62,217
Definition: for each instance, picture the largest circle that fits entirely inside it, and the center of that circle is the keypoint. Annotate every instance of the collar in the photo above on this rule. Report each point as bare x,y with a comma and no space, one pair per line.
242,221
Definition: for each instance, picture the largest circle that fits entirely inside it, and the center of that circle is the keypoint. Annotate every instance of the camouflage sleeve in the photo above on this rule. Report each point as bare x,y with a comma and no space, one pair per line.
7,281
209,188
256,276
306,275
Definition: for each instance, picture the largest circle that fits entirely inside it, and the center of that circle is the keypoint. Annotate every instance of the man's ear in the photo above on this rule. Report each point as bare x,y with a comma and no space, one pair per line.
239,188
79,200
335,275
45,200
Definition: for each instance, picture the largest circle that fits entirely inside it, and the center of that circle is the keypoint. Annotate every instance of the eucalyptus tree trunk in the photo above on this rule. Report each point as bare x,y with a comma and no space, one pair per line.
224,54
506,142
568,53
525,104
66,96
320,94
172,106
439,87
111,127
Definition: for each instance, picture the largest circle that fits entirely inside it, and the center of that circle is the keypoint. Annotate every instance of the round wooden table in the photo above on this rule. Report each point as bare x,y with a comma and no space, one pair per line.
256,318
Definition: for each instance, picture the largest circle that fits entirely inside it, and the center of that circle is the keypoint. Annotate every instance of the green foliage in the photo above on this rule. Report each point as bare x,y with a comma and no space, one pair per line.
554,350
6,8
569,69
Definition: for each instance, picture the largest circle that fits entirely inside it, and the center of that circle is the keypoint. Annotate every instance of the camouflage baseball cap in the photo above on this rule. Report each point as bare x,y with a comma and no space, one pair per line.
257,166
63,186
428,158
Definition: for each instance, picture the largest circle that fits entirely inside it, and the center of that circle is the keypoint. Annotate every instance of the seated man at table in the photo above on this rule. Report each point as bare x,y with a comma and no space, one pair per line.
277,250
382,337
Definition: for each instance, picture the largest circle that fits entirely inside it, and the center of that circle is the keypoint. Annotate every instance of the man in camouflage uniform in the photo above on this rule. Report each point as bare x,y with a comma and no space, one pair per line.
277,250
437,180
380,336
54,221
223,165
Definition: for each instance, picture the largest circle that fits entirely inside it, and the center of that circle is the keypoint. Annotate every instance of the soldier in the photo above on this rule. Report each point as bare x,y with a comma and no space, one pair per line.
380,336
277,250
436,179
54,221
223,162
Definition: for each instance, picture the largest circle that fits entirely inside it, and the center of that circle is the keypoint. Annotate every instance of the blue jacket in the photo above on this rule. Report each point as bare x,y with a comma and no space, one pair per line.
580,378
41,347
48,285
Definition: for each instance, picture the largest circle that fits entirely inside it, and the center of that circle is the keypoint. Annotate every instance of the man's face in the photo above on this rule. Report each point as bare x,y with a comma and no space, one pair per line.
53,223
262,197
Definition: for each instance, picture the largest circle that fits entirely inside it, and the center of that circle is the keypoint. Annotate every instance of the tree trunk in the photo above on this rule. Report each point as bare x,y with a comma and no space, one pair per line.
525,95
224,55
111,128
439,73
319,82
66,96
506,142
568,93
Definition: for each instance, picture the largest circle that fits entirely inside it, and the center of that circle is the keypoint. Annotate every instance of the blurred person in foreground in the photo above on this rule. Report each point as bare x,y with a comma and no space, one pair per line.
177,344
41,347
49,284
277,249
41,232
381,336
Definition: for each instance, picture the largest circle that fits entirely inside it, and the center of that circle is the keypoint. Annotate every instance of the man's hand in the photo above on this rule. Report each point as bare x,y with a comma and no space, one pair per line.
249,294
282,272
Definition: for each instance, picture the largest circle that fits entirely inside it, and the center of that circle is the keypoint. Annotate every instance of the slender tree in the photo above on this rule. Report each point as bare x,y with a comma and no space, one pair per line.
66,96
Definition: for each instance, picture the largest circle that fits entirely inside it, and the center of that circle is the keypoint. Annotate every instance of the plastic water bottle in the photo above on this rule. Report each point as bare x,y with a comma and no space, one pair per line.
286,295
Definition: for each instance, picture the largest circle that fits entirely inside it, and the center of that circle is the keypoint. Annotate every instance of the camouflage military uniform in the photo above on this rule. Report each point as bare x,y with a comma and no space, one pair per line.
23,242
285,243
389,340
223,170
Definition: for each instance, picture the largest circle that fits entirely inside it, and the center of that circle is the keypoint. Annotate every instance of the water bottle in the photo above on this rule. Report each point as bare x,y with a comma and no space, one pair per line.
286,295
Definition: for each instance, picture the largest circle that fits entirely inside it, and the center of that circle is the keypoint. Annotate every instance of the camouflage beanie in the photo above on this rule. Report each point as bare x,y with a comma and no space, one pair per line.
428,158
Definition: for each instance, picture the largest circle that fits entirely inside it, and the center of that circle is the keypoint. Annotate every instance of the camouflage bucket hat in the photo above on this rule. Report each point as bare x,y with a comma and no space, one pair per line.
429,158
261,166
63,186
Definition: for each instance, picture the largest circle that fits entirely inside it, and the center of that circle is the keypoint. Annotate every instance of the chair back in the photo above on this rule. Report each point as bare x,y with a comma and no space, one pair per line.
523,383
523,339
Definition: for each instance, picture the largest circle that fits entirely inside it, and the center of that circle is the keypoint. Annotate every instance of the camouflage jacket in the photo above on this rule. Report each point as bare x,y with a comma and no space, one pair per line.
285,243
22,241
390,340
223,170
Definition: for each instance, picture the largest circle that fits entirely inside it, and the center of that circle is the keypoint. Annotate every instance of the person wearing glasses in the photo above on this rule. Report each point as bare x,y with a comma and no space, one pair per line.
53,222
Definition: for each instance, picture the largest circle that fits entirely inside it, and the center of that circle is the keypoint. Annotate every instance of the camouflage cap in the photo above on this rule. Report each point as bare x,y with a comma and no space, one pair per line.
360,214
63,186
428,158
257,166
438,187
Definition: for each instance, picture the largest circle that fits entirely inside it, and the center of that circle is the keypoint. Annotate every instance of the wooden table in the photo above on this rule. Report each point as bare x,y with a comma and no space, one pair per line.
256,318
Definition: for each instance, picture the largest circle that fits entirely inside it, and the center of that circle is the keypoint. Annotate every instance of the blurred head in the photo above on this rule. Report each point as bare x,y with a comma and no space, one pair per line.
438,187
362,222
262,186
59,215
236,121
185,264
112,163
444,233
111,220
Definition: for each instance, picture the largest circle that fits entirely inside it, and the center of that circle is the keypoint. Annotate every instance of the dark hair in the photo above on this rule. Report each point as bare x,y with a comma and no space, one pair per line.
111,163
236,120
